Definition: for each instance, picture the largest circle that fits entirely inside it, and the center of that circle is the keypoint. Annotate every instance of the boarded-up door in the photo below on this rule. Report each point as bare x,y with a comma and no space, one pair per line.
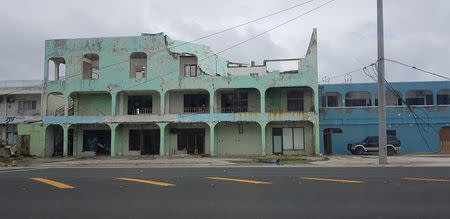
25,145
445,140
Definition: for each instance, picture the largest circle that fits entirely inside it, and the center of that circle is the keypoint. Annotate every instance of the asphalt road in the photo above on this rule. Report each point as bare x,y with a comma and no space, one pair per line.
280,192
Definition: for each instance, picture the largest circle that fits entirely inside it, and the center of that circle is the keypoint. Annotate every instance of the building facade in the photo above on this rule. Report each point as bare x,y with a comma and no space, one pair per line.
150,94
417,113
20,103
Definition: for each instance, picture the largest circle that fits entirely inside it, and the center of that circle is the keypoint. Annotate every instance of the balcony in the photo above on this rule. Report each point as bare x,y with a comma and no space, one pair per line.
201,109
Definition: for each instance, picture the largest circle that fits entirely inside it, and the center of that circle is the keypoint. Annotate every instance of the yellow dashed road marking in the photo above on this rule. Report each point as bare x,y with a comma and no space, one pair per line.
426,179
334,180
53,183
147,181
239,180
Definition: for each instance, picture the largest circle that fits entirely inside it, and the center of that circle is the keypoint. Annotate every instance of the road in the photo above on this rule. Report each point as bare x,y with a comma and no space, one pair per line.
235,192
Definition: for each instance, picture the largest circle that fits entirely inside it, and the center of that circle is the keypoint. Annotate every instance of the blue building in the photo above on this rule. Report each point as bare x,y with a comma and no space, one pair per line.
418,113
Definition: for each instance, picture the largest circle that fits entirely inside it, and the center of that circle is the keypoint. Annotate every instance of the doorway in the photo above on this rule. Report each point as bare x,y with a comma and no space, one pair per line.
327,139
444,135
146,141
191,140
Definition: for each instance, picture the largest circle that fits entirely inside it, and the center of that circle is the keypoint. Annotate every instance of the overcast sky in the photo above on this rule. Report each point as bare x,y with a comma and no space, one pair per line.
416,31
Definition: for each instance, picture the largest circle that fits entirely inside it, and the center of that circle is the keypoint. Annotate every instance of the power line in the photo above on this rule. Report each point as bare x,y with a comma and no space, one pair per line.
247,40
418,69
213,34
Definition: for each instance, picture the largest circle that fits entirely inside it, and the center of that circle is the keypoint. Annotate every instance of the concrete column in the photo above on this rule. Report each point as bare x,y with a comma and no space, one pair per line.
211,101
316,136
163,102
113,127
65,139
121,99
66,105
113,103
262,94
212,138
263,137
162,137
44,98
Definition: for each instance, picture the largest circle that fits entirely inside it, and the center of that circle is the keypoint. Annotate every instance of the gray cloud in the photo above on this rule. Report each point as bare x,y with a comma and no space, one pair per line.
416,31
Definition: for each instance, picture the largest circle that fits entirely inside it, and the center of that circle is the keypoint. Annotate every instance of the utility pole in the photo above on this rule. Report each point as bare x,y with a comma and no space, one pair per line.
382,141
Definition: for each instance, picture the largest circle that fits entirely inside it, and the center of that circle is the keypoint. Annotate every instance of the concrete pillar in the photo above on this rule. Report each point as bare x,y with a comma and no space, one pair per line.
121,102
263,137
113,127
262,94
162,137
113,103
211,101
212,138
66,105
316,136
65,139
163,102
44,98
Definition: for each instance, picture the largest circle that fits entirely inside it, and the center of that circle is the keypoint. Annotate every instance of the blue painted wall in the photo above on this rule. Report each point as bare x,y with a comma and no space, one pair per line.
357,123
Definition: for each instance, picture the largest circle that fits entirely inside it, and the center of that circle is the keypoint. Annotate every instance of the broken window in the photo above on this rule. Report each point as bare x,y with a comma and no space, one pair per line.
235,102
56,69
443,97
140,104
294,100
419,97
358,98
188,66
138,65
196,103
90,66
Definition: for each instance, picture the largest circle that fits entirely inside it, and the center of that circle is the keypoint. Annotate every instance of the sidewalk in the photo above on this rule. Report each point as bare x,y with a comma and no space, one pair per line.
416,160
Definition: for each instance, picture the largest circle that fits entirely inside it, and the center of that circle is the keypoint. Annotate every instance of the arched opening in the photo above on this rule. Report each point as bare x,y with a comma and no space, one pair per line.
138,65
55,104
419,97
139,139
238,138
327,139
56,69
443,97
139,102
90,104
393,98
331,99
444,135
91,66
188,138
289,99
54,140
358,98
237,100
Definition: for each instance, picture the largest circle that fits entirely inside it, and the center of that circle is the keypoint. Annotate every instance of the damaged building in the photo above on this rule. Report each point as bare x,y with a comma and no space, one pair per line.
153,95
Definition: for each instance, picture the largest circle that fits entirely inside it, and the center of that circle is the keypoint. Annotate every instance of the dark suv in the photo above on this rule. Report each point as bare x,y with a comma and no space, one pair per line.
370,144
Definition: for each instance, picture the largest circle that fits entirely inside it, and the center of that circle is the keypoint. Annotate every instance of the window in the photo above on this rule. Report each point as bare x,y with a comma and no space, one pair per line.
295,101
293,139
90,66
138,65
11,138
419,97
25,106
235,102
443,97
190,70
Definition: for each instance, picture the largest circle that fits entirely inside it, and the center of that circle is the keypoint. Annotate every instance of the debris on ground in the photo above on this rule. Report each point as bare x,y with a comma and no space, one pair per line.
277,161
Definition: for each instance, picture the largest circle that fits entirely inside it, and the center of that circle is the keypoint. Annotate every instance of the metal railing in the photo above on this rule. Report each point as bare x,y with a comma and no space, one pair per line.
202,109
234,109
140,111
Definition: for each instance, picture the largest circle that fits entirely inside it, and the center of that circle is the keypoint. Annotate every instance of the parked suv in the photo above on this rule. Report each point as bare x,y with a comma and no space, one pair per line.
370,144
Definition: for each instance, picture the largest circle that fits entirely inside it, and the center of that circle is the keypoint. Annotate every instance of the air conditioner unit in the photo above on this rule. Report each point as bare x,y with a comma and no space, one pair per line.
10,99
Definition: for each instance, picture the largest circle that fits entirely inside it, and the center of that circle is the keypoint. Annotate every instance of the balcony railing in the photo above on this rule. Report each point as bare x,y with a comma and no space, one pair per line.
203,109
140,111
234,109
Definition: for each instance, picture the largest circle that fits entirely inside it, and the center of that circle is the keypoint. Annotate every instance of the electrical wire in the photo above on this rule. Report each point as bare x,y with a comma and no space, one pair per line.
418,69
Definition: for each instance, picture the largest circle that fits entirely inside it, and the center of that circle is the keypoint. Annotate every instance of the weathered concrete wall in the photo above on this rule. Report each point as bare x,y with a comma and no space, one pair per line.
37,137
230,142
12,109
93,104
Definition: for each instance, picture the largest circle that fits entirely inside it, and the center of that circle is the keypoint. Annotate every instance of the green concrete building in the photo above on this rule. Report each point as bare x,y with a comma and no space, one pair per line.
151,94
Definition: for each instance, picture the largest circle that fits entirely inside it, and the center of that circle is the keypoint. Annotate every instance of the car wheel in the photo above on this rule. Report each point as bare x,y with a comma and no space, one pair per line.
390,151
359,151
